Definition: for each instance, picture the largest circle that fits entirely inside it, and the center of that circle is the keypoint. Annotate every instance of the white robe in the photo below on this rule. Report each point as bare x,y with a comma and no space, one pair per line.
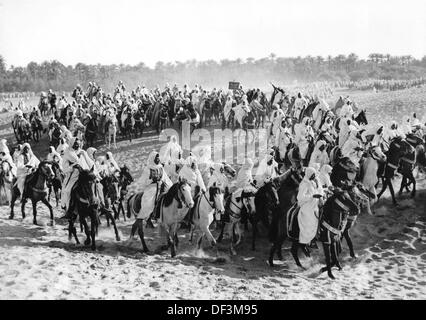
22,171
309,212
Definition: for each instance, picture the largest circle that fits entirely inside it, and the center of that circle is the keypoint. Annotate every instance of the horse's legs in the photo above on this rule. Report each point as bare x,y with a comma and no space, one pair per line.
327,268
272,252
72,231
403,184
209,236
84,224
109,215
138,225
413,181
384,187
24,201
12,204
349,242
334,257
253,243
389,181
220,238
293,250
94,227
44,200
171,237
34,203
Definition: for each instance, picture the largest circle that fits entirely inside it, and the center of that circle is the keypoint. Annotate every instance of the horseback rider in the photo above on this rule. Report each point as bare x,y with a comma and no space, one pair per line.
3,146
245,176
283,138
27,163
192,174
319,155
268,169
308,198
303,132
353,147
6,157
71,164
52,154
299,104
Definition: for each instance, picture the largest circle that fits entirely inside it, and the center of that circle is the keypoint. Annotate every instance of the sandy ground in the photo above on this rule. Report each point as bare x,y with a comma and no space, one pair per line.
38,262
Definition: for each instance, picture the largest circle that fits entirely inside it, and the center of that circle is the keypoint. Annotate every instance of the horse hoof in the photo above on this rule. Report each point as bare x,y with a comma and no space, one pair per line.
323,269
87,242
271,262
52,223
93,248
118,239
330,275
10,217
280,257
35,223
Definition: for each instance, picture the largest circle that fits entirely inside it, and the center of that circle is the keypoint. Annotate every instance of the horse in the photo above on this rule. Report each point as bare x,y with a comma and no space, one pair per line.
207,112
217,107
171,215
36,189
332,224
84,203
110,191
124,180
361,118
242,199
398,148
308,110
265,200
344,169
36,128
408,162
164,117
55,136
287,196
56,182
203,213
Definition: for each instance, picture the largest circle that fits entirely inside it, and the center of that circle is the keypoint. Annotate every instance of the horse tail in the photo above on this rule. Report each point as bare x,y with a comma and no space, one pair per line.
128,206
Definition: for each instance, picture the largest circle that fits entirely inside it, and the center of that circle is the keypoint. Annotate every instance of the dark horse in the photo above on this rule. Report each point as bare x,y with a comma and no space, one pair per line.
36,189
332,224
110,190
36,127
408,163
56,182
265,200
398,148
84,203
287,195
124,180
127,129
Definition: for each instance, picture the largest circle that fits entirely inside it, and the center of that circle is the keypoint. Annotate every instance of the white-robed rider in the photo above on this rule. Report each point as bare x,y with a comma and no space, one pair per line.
6,157
353,148
63,145
324,177
268,169
193,175
92,163
310,191
346,125
227,108
245,175
218,177
71,163
299,104
347,111
276,118
302,133
318,113
319,155
283,138
377,131
111,163
27,162
4,147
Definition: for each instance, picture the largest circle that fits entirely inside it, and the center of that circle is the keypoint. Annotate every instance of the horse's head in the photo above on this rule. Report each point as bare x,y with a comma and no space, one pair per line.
361,118
271,194
414,139
45,168
125,175
184,190
216,196
344,202
87,190
247,199
229,170
377,153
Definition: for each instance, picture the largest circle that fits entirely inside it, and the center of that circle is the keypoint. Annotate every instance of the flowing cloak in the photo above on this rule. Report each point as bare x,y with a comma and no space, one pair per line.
309,212
324,176
317,115
265,171
193,177
240,112
245,176
349,147
69,160
150,188
170,151
3,147
302,132
13,168
282,140
318,156
22,171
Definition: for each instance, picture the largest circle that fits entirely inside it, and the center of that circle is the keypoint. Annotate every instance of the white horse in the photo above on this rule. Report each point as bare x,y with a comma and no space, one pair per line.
370,168
203,213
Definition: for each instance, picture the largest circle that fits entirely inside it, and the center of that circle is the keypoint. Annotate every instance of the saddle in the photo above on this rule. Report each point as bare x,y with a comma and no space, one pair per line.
292,223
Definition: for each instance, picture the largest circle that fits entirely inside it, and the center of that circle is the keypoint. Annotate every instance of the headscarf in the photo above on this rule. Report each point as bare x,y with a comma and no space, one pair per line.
112,161
4,147
309,172
324,176
52,153
91,152
72,141
150,162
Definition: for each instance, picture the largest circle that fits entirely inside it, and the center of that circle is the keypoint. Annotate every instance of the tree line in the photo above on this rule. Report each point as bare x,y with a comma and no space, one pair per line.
250,72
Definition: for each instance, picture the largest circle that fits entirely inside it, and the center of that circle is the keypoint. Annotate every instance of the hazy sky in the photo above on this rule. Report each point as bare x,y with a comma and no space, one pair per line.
133,31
